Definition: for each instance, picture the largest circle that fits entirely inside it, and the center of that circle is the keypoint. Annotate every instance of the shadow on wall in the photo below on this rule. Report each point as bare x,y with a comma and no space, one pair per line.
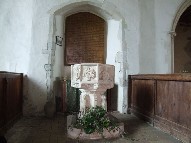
34,97
112,98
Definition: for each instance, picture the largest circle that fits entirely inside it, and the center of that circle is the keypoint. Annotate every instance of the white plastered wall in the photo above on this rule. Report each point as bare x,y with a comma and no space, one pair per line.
27,33
15,35
165,12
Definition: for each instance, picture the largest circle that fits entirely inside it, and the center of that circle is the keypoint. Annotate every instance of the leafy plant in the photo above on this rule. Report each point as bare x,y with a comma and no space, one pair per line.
95,120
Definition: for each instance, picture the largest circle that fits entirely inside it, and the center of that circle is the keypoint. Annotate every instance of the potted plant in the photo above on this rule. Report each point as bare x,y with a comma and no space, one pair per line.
95,124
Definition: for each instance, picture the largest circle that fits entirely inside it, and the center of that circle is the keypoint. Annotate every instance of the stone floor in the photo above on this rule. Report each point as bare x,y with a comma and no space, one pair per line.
43,130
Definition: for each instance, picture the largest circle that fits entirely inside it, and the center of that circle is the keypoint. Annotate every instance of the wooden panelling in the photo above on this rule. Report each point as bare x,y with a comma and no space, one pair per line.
10,97
2,119
143,99
64,97
13,97
164,99
173,102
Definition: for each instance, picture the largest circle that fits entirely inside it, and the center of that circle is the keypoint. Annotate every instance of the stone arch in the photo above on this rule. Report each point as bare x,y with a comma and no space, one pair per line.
95,7
180,11
115,36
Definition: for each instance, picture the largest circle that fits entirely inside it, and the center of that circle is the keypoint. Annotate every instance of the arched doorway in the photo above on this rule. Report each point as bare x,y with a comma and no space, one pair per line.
84,43
113,45
181,36
182,43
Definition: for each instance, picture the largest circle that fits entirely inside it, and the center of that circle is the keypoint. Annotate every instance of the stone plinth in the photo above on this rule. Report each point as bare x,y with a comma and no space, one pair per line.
93,79
75,133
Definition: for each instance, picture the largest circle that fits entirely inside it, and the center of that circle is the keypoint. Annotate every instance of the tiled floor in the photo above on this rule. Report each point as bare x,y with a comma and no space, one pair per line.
43,130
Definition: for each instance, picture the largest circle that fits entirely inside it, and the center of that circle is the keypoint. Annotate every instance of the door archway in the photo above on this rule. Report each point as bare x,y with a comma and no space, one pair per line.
114,43
180,52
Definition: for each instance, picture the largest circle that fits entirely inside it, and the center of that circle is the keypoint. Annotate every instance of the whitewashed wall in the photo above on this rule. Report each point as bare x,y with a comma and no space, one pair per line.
26,27
16,41
15,35
165,12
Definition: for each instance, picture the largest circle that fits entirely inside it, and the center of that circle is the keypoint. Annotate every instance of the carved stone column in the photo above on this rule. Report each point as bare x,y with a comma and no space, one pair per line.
93,79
